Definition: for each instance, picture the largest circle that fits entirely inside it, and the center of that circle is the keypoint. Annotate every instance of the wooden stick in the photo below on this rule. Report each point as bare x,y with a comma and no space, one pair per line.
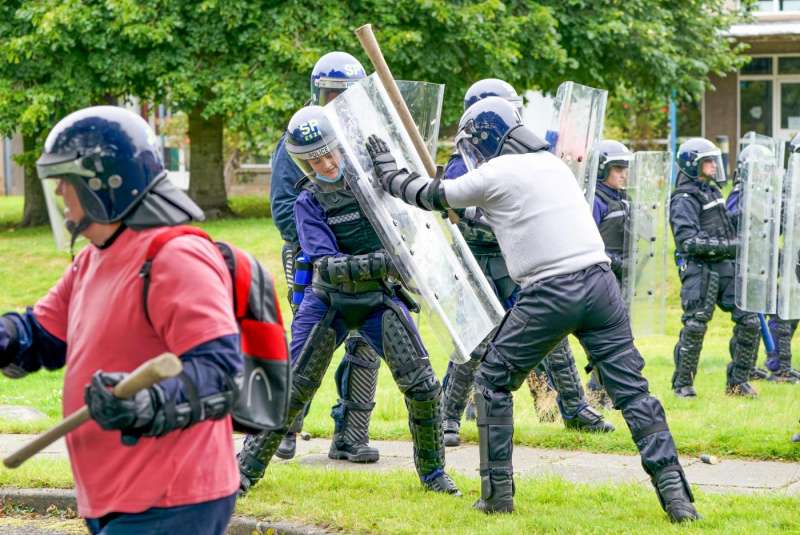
149,373
367,39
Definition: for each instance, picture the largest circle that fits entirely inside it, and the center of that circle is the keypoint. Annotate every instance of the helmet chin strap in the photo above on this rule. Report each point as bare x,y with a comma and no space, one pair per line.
75,230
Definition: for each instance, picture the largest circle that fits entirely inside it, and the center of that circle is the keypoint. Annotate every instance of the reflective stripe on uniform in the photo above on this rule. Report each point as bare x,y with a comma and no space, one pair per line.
713,203
344,218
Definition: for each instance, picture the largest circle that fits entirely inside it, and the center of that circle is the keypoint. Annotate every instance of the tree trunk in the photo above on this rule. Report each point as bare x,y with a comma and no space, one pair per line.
207,176
35,210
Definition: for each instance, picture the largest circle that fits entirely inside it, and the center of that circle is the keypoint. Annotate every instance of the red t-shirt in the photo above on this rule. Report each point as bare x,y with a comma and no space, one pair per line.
97,308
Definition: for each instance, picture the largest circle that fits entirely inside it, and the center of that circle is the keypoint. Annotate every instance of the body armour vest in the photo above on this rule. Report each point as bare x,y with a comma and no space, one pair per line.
353,231
714,218
612,227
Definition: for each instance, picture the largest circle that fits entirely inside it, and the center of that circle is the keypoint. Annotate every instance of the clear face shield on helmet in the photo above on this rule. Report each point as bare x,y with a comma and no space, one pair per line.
324,165
711,167
330,88
465,146
52,172
616,169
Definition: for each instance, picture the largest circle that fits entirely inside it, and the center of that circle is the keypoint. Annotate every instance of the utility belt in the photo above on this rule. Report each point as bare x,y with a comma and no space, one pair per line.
355,301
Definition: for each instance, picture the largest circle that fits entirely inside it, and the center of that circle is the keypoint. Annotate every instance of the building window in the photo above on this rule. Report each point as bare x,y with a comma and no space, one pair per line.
758,66
755,106
788,65
766,6
790,106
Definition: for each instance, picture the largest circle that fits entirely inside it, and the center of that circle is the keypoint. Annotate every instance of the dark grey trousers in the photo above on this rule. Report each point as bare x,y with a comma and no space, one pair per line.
589,305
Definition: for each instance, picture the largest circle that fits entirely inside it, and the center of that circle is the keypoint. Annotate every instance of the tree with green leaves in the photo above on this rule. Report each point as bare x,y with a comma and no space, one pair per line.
244,64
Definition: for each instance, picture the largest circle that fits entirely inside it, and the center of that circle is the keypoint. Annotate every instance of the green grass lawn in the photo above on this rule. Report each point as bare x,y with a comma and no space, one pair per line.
357,502
712,423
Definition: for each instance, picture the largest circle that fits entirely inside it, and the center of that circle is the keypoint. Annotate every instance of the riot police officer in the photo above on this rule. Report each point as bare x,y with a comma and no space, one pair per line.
333,73
558,369
705,238
611,213
355,287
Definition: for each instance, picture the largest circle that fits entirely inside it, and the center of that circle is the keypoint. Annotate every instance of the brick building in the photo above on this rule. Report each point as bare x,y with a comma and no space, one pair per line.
764,96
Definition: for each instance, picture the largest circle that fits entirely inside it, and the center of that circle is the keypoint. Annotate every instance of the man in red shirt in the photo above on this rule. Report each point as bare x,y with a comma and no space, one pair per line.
162,461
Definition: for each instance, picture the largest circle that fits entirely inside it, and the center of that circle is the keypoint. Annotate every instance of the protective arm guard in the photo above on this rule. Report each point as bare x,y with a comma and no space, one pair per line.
355,268
415,189
205,390
703,246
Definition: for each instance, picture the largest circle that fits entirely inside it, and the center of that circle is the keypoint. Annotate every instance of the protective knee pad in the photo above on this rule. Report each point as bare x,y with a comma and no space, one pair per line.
457,387
647,423
425,424
256,454
407,361
495,433
783,331
687,352
311,365
744,348
357,380
560,365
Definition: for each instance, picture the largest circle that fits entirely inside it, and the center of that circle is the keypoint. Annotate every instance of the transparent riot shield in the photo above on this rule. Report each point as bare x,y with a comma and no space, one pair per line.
424,101
758,229
580,112
429,252
788,285
539,115
645,275
776,146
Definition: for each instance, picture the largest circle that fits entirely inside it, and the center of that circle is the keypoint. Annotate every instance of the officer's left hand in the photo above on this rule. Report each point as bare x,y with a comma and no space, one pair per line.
131,416
382,160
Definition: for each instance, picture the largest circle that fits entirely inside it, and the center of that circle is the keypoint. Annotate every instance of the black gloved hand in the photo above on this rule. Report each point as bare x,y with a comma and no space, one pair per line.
131,416
8,342
382,160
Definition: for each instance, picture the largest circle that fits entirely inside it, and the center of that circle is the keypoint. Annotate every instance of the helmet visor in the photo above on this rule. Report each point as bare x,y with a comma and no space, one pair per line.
711,166
330,88
472,157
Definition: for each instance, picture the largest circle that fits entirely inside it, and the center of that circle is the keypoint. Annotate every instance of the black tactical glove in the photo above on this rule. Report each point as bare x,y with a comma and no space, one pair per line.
382,160
8,342
133,416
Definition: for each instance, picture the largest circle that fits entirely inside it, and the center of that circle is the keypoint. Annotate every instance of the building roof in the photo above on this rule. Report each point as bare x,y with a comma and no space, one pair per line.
768,25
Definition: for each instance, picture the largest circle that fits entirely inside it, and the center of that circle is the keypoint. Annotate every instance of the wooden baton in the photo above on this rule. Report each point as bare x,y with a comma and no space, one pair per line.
367,39
149,373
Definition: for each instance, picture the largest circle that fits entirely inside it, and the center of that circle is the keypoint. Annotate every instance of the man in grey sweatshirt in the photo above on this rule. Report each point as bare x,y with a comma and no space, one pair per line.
555,253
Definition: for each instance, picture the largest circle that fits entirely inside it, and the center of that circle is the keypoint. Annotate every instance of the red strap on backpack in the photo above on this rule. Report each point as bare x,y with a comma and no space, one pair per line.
155,246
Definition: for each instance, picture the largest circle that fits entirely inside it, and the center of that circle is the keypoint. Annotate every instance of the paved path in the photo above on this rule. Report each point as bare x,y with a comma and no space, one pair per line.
730,476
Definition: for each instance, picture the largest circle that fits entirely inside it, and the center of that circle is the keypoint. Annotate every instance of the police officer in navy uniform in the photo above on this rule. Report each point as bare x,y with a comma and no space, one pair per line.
558,370
333,73
553,250
611,213
355,287
706,241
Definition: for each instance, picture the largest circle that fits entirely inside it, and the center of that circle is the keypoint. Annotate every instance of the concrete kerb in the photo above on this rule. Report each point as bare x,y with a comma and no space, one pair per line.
42,501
